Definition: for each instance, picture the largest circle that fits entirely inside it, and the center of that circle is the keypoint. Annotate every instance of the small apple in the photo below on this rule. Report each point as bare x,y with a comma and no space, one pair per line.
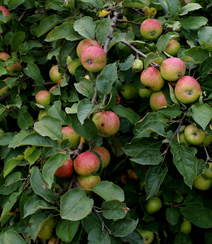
84,44
173,47
71,135
65,170
185,227
172,69
6,13
43,97
187,89
54,74
201,183
157,100
208,173
149,11
137,65
52,240
207,141
107,123
4,56
15,67
41,114
47,229
153,205
151,29
93,59
151,78
88,182
72,64
194,135
182,139
148,236
105,155
144,93
4,90
87,163
129,91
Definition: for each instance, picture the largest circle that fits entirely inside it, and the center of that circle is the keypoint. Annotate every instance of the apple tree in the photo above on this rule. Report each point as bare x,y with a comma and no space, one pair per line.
105,121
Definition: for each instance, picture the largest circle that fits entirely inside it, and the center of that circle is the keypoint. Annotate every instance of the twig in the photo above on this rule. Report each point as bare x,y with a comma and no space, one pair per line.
207,155
128,21
136,10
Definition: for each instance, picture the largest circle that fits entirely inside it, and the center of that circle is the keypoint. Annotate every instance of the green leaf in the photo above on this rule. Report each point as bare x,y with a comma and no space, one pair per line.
127,64
10,237
123,227
99,236
85,87
75,205
195,55
11,164
103,29
109,191
17,39
202,114
182,239
193,22
205,67
32,154
188,8
6,138
114,209
3,71
205,34
25,119
164,40
91,222
33,71
173,7
133,238
85,27
84,109
117,37
172,215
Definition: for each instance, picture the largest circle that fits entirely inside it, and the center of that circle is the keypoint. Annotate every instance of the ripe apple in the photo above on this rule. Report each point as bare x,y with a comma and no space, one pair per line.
107,123
137,65
129,91
185,227
208,173
151,29
6,13
144,92
47,229
71,135
87,163
43,97
172,69
201,183
65,170
153,205
187,89
15,67
4,56
72,64
173,47
85,44
93,59
194,135
157,100
54,74
41,114
151,78
148,236
88,182
105,155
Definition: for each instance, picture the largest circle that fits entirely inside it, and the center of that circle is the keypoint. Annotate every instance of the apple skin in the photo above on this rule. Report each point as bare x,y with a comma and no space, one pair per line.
172,69
6,13
1,131
137,65
151,29
65,170
15,67
71,135
153,205
107,123
173,47
84,44
41,114
105,155
87,163
4,90
157,100
47,229
148,236
93,59
72,64
43,97
4,56
208,173
54,74
201,183
144,93
182,139
129,91
187,89
151,78
186,227
88,182
193,135
207,141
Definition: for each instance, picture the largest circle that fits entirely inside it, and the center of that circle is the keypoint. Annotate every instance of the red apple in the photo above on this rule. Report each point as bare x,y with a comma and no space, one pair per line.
15,67
157,100
87,163
72,64
151,29
105,155
88,182
54,74
173,47
107,123
6,13
93,59
187,89
85,44
151,78
43,97
194,135
65,170
4,56
71,135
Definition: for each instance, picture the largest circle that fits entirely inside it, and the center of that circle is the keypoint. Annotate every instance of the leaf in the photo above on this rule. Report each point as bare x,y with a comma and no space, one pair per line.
85,87
75,205
33,71
109,191
114,209
172,215
25,119
91,222
205,34
182,239
6,138
99,236
84,109
202,114
10,237
193,22
195,55
133,238
188,8
205,67
3,71
123,227
173,7
127,64
32,155
11,164
185,161
164,40
95,3
13,4
117,37
103,29
17,40
49,126
85,27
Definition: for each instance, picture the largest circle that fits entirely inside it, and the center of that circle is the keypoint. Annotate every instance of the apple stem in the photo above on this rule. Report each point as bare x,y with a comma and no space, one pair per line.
207,155
136,10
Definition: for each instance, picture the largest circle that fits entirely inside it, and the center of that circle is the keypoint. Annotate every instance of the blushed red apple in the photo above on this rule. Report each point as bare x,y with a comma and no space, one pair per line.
88,182
6,13
173,47
157,100
54,74
43,97
4,56
151,29
71,135
105,155
85,44
72,64
65,170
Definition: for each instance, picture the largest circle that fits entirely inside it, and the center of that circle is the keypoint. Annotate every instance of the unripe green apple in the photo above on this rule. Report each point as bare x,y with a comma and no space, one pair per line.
208,173
88,182
185,227
201,183
207,141
43,97
85,44
137,65
148,236
72,64
65,170
47,229
41,114
173,47
4,90
6,13
144,93
153,205
157,100
105,155
129,91
149,11
71,135
194,135
151,29
54,74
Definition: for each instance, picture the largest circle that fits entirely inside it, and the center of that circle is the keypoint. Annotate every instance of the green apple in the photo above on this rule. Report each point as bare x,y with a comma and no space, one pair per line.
157,100
71,135
148,236
47,229
207,141
172,48
43,97
208,173
153,205
201,183
41,114
144,93
137,65
151,29
194,135
149,11
129,91
72,64
185,227
182,139
54,74
88,182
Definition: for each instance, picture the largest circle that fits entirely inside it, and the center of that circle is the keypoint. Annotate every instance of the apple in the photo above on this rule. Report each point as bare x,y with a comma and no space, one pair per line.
93,59
187,89
151,29
47,229
54,74
148,236
52,240
72,64
207,141
4,90
172,69
137,65
172,48
129,91
208,173
41,114
43,97
86,163
71,135
6,13
105,155
84,44
149,11
153,205
157,100
15,67
144,93
182,139
201,183
65,170
193,135
185,227
88,182
151,78
4,56
107,123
